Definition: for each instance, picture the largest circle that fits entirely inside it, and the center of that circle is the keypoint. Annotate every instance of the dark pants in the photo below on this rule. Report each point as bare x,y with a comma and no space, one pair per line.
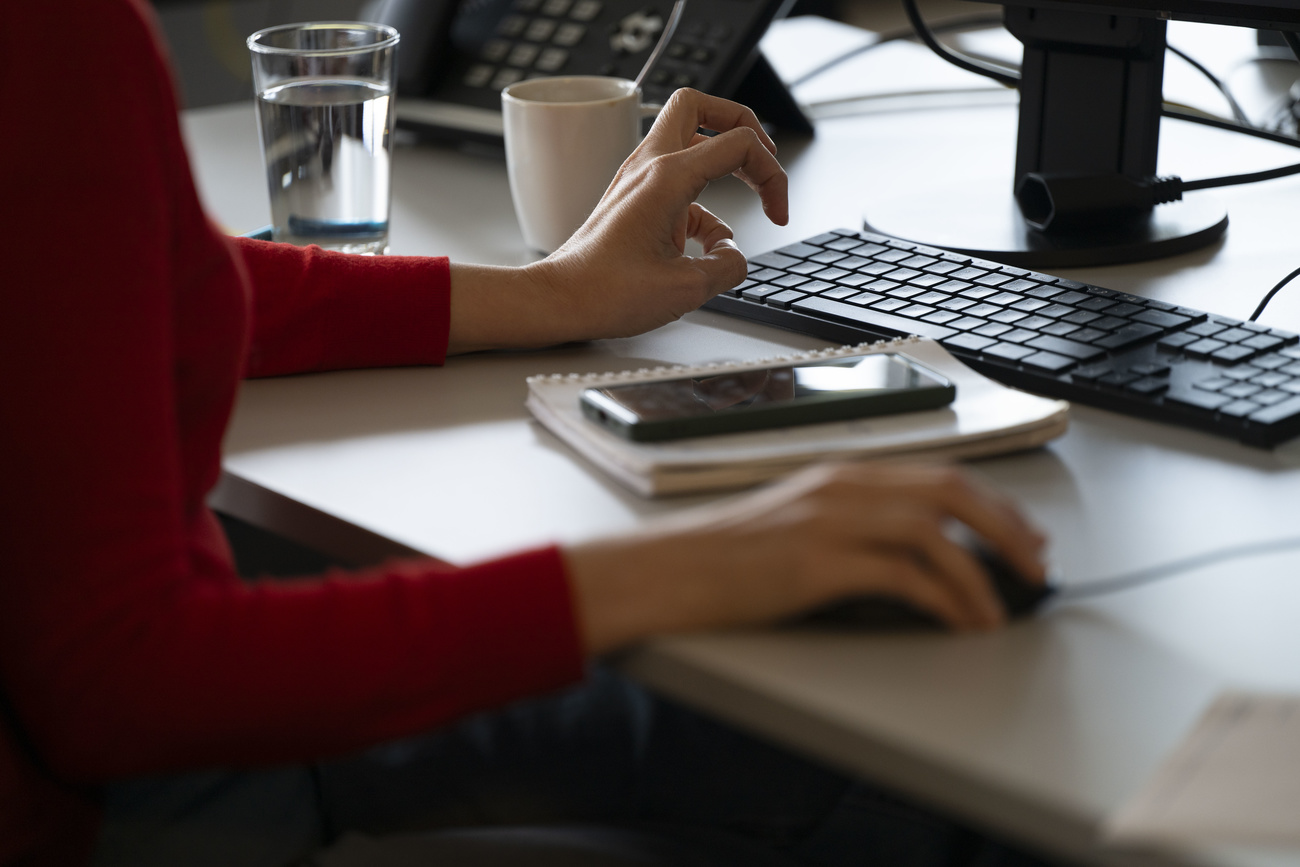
606,774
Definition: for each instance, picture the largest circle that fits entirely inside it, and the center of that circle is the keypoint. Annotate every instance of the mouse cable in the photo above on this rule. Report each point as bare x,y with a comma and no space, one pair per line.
1159,572
1269,295
952,25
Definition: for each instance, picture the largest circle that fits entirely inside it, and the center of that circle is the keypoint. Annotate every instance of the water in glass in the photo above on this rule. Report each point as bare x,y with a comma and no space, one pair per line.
327,156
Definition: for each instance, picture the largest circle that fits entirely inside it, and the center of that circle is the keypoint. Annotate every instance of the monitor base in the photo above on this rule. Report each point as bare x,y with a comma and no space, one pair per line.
983,221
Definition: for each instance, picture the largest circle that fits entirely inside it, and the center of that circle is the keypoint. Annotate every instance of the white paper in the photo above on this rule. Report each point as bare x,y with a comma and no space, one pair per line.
1234,780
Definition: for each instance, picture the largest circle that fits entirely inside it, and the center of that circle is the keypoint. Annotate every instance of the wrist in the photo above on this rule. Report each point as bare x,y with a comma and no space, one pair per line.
500,307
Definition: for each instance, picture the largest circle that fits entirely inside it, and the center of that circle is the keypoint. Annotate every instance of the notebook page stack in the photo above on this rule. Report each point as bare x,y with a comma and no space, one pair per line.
987,418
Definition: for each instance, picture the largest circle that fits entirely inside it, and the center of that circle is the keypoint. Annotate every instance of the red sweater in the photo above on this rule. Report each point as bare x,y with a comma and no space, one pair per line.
127,644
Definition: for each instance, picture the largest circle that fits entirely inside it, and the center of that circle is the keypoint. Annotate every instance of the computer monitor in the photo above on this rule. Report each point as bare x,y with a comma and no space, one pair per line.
1089,128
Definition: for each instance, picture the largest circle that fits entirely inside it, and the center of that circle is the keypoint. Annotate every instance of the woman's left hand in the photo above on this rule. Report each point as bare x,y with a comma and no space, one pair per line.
625,271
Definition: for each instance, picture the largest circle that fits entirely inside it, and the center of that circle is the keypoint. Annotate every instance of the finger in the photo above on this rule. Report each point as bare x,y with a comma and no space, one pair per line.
963,575
909,582
998,522
688,110
738,151
915,528
722,263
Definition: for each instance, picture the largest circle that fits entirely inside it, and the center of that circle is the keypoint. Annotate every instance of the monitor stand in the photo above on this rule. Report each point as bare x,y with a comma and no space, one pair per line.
1090,101
981,219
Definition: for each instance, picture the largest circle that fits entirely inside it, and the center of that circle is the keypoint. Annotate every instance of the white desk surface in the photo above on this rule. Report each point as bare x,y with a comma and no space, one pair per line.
1039,730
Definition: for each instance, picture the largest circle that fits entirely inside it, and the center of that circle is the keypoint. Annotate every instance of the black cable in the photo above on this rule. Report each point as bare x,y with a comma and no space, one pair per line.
1293,41
1011,79
1247,178
1168,570
1007,77
953,25
1237,111
1269,295
1268,135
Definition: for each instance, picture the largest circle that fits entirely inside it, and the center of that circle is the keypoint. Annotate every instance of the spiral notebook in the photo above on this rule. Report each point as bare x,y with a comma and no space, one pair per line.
987,418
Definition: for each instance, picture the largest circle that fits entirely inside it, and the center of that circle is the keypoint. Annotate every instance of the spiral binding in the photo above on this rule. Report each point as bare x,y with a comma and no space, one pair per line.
679,370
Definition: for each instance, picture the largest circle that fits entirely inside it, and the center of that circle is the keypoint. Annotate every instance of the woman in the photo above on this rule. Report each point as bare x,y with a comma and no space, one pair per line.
134,662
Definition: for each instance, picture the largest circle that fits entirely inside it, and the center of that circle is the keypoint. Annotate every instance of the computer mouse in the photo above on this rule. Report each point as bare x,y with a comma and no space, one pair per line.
1020,598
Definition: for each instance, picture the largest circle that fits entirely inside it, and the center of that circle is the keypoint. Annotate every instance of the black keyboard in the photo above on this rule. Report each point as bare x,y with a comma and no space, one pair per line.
1036,332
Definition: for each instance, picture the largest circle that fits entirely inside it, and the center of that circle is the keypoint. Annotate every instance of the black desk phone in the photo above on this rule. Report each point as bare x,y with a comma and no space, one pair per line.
455,57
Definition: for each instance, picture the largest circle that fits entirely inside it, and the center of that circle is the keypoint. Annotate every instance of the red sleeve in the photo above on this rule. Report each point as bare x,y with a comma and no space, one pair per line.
318,310
127,646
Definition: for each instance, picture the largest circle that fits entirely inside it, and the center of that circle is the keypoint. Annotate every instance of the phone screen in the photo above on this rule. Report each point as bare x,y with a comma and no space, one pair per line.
791,394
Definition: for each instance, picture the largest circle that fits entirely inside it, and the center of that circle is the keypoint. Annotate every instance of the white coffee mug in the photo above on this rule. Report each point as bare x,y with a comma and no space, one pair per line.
565,140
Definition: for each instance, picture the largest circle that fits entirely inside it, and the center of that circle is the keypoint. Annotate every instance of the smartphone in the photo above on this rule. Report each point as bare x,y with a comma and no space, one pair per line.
817,391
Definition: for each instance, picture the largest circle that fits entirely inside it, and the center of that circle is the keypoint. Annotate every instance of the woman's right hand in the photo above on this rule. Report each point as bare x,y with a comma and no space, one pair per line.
827,532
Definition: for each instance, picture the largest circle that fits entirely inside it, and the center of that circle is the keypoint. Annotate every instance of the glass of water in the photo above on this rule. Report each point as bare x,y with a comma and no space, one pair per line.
325,116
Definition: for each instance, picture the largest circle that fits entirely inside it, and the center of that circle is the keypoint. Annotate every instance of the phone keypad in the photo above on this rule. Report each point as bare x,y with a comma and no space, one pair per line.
558,37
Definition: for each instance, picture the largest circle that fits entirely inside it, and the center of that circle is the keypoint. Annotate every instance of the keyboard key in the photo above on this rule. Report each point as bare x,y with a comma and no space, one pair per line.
1048,361
1124,310
800,250
993,329
1148,385
829,257
1036,323
942,317
1008,316
1127,336
1177,341
829,274
1207,329
1018,335
760,291
973,342
1268,398
1118,378
1214,384
815,287
1238,408
856,279
1241,389
1008,351
1109,323
1272,362
1207,400
1161,318
1085,335
789,281
1059,329
1061,346
774,260
1278,412
916,311
842,292
1271,379
872,318
1204,348
1232,354
1263,342
1151,369
806,267
784,299
1234,335
862,299
1071,298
